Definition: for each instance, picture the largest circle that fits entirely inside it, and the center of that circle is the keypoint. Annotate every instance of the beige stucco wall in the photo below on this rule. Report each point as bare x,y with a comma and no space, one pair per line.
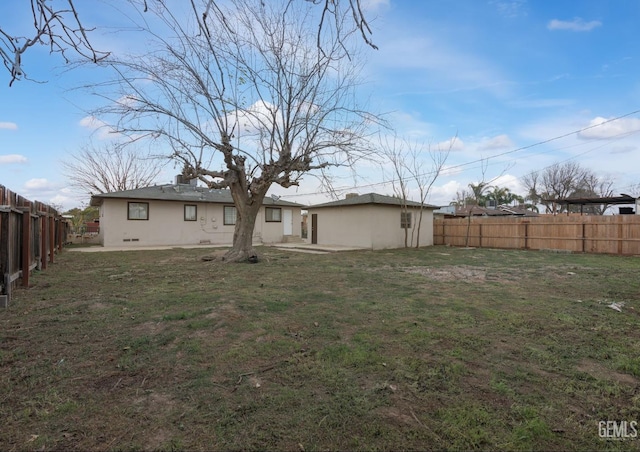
370,226
166,225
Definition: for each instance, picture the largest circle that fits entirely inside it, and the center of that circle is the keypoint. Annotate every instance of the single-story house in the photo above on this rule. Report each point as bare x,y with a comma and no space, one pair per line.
370,221
184,214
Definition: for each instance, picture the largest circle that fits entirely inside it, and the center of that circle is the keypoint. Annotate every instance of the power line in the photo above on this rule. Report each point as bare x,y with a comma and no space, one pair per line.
485,159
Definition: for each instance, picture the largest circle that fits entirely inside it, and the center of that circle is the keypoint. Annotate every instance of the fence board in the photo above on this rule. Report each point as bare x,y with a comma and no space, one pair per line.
617,234
30,233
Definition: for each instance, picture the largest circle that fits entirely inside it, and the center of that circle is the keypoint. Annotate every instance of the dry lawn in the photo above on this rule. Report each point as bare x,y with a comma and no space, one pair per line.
439,348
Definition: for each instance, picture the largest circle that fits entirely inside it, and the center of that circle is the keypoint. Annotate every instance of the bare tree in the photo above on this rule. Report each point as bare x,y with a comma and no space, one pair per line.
426,178
531,183
110,168
594,187
633,190
393,152
245,99
57,25
408,168
566,180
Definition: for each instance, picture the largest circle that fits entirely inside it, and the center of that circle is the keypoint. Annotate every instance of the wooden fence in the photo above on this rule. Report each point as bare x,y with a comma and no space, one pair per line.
618,234
30,235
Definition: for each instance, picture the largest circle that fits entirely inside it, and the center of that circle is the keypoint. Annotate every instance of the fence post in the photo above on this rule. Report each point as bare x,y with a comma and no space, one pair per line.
620,229
52,237
26,243
5,260
44,234
6,252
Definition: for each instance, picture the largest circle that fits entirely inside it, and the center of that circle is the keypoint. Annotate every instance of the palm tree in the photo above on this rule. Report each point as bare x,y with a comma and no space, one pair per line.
477,191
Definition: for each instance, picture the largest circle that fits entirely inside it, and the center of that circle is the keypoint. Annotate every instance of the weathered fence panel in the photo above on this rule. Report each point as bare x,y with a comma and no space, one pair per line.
30,234
617,234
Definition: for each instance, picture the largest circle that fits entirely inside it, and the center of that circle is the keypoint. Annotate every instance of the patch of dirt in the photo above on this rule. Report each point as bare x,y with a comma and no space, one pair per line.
450,273
115,381
597,370
225,312
396,416
150,328
214,256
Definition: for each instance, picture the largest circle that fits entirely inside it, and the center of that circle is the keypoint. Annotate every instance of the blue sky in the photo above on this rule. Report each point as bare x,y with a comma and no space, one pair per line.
500,75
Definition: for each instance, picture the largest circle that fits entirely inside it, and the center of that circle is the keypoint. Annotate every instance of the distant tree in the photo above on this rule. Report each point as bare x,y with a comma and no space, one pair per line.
426,174
393,151
503,196
462,198
110,168
409,168
633,190
592,186
478,193
79,216
531,183
566,180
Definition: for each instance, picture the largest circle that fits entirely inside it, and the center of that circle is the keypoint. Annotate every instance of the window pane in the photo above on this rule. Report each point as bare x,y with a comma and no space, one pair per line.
190,212
405,220
138,211
229,215
273,214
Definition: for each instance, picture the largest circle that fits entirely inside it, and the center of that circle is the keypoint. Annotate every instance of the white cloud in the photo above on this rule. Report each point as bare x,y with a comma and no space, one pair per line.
9,159
410,125
61,200
448,69
604,129
453,143
127,101
8,125
623,149
104,131
39,184
577,24
543,103
372,5
510,8
450,170
497,142
509,181
442,195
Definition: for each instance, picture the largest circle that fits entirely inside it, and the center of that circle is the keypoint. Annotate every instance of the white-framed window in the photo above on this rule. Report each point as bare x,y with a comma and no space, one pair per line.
230,214
138,211
190,212
273,214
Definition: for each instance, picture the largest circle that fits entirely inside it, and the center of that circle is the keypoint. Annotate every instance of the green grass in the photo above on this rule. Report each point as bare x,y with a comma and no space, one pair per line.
438,348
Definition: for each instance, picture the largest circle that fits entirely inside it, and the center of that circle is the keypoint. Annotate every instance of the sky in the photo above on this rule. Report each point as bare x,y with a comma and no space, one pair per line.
517,84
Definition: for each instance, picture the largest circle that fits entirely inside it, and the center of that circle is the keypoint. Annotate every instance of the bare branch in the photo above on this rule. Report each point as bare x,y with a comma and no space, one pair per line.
59,28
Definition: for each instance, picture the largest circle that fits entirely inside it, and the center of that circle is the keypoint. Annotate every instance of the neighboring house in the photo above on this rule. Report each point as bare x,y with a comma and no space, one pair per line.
478,211
370,221
183,214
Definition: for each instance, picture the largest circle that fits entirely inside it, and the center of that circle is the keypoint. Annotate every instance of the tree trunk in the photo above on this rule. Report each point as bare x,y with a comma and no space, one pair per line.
419,226
242,249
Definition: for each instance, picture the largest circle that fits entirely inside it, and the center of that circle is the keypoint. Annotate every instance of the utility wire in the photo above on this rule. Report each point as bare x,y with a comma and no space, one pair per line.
485,159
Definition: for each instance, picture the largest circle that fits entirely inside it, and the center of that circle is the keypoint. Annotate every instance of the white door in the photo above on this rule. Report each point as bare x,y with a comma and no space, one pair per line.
287,220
